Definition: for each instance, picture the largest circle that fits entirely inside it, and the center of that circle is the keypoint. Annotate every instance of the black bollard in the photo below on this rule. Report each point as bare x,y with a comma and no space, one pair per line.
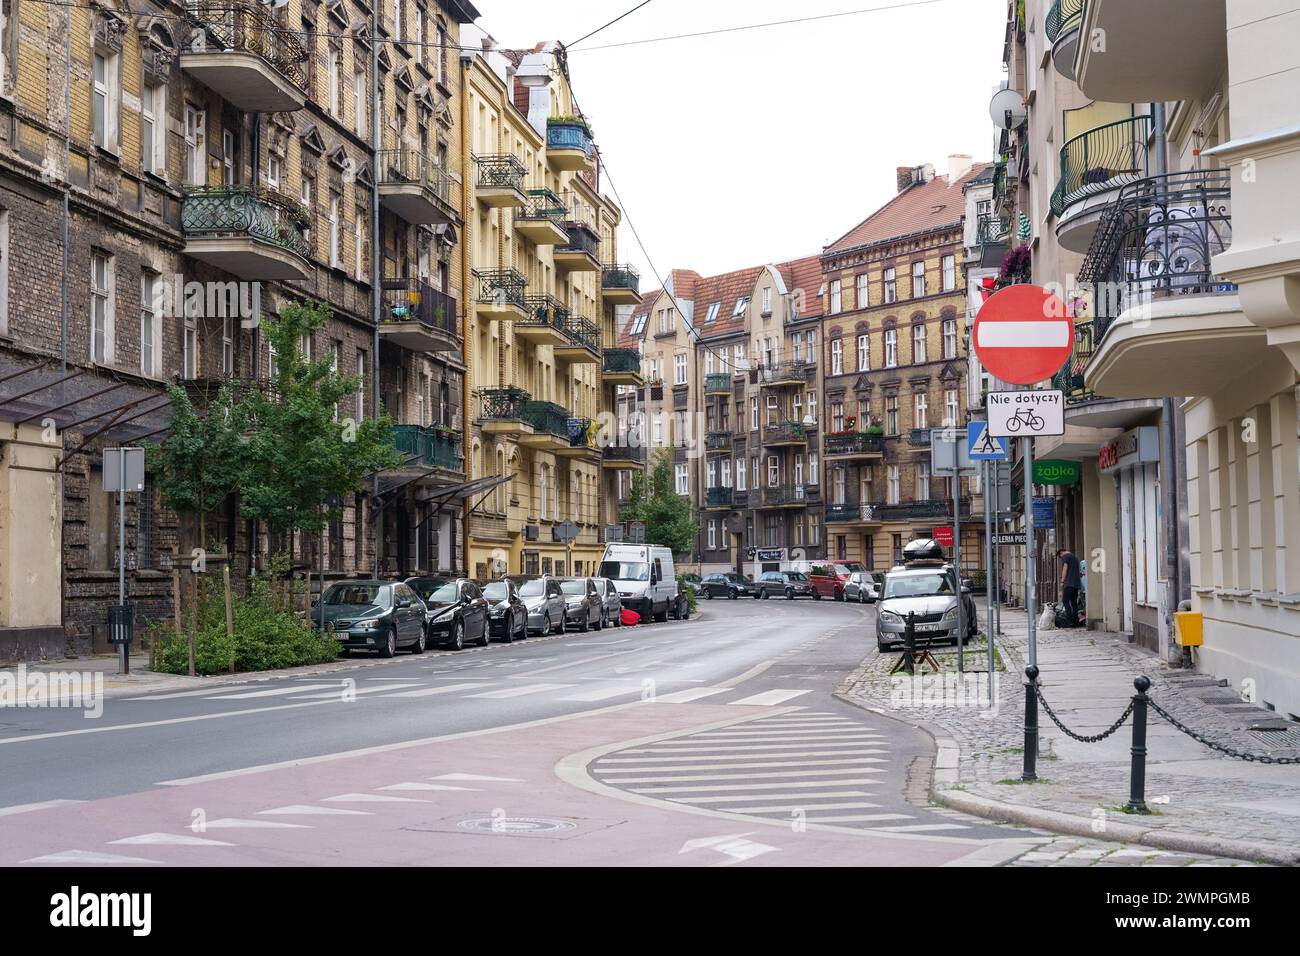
1137,776
909,643
1031,724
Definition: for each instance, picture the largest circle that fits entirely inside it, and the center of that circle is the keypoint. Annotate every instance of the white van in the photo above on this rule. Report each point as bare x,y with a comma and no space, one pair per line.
645,578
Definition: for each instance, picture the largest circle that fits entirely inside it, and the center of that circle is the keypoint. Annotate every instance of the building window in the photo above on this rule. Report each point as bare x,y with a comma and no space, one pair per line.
335,234
101,307
196,148
950,408
274,167
891,286
767,300
754,469
150,300
798,469
362,371
920,411
864,352
918,279
741,305
4,271
333,77
190,349
950,338
741,484
713,535
359,244
683,480
360,102
891,348
679,369
837,357
811,345
949,273
891,486
862,297
837,416
397,20
812,468
773,471
105,89
891,415
918,344
229,158
814,529
836,297
753,413
812,407
741,363
153,128
923,481
227,345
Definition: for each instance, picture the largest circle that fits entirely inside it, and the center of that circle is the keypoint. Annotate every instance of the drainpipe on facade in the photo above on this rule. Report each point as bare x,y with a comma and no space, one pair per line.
67,190
1168,440
376,253
467,351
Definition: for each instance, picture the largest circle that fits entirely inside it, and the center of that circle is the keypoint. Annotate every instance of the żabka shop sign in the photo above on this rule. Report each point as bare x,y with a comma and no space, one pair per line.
1049,471
1141,446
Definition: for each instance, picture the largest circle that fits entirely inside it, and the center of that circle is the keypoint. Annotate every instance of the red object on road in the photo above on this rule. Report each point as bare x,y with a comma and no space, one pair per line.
630,617
1023,334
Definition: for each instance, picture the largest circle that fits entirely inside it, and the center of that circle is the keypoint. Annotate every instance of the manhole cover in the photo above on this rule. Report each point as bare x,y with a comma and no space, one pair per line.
516,825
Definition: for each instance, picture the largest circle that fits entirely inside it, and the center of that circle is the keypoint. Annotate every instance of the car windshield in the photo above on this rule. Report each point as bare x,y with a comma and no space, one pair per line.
738,578
573,587
357,595
531,588
443,595
917,585
496,591
842,569
426,588
625,570
798,576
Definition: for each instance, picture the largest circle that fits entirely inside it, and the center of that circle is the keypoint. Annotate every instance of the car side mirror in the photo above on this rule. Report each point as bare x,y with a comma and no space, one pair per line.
403,602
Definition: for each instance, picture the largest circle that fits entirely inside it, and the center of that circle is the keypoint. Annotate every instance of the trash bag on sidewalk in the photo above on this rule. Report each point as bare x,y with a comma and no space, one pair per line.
1047,619
630,617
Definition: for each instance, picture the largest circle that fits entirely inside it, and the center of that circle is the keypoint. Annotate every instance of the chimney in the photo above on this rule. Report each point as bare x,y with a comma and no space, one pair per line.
904,174
959,165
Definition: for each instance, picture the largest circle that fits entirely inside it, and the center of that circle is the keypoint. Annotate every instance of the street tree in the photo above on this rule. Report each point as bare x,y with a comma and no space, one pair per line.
668,517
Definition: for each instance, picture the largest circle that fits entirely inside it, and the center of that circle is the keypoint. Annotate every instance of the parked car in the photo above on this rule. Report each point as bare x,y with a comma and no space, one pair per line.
926,587
645,578
792,584
829,580
728,585
457,613
864,587
379,616
583,607
611,603
544,601
507,614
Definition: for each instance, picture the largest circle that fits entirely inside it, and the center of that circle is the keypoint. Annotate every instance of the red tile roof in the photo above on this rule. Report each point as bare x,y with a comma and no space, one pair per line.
805,276
724,289
918,208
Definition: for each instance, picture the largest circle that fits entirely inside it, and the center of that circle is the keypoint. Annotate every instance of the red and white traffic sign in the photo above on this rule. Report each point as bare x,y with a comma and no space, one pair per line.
1023,334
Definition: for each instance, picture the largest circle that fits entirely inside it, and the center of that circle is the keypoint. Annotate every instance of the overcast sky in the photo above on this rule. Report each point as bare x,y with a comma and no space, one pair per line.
764,145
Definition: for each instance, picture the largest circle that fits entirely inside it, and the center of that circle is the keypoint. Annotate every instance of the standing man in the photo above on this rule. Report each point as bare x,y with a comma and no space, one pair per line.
1069,585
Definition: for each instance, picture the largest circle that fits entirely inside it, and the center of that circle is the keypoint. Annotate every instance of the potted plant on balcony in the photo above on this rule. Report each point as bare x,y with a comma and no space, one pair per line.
569,119
1017,266
874,429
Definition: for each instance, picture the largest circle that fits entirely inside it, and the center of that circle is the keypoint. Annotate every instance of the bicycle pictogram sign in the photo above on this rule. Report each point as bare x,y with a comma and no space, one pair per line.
1028,413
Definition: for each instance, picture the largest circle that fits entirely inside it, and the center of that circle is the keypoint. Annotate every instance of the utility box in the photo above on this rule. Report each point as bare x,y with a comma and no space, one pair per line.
1187,628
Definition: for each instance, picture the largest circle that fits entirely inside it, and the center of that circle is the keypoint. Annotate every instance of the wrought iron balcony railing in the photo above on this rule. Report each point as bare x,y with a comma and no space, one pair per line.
414,300
1157,239
926,508
240,26
717,383
634,456
852,443
1070,378
787,431
544,204
718,498
1103,158
919,438
582,238
1064,15
500,171
503,287
794,495
992,230
792,372
581,434
584,332
403,166
546,310
547,417
223,211
429,447
561,135
621,276
850,511
503,404
717,441
622,360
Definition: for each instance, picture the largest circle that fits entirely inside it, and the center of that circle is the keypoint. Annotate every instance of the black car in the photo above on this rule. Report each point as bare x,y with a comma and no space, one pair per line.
507,615
583,607
457,613
379,616
611,601
791,584
729,585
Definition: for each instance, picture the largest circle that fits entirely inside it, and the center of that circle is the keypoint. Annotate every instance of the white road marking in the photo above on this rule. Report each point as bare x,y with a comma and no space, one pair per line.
862,818
30,807
299,809
430,691
794,784
476,776
207,691
565,664
518,691
736,797
338,692
370,798
847,747
423,786
232,823
805,733
273,692
781,760
166,839
87,856
922,827
745,776
786,807
686,696
769,698
601,693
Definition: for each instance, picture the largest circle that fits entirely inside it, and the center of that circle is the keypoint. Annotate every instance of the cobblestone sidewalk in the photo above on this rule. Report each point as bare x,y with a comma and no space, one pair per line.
1202,802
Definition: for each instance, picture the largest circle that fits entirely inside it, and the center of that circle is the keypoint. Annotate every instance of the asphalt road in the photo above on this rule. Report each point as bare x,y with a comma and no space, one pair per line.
577,705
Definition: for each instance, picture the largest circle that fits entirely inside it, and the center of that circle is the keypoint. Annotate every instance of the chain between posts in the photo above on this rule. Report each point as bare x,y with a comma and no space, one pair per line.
1096,738
1227,751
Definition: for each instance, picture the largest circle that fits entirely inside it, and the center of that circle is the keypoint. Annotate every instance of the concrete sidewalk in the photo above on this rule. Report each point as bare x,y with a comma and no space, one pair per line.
1202,801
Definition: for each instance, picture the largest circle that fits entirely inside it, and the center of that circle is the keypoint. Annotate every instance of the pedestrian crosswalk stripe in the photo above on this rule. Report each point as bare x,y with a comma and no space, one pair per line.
205,692
769,698
740,736
737,797
299,809
601,693
787,807
518,691
166,839
273,692
783,774
786,760
88,856
847,747
430,691
863,818
342,692
686,696
423,786
711,788
231,823
370,798
923,827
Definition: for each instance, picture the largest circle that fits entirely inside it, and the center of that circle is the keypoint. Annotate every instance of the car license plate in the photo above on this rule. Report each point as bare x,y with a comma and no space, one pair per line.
927,627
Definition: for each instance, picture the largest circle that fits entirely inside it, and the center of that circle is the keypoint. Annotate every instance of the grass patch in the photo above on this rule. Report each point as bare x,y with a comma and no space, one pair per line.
1123,808
1014,781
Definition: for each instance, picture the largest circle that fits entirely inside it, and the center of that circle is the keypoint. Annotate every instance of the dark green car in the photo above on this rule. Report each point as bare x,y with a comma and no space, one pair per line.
373,616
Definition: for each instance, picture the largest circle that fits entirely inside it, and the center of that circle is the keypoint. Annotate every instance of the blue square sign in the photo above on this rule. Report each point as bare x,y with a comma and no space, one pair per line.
981,446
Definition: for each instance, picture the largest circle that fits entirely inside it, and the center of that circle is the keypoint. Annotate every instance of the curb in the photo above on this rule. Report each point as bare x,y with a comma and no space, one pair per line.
945,778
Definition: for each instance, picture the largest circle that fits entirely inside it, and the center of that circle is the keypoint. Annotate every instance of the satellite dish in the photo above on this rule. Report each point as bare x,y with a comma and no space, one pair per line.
1007,109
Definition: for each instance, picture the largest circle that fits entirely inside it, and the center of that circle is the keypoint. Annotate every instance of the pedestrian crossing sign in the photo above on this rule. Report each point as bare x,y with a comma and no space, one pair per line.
981,446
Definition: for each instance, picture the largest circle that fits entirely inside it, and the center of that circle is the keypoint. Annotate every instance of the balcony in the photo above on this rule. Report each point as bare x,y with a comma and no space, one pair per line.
416,316
502,294
717,441
582,342
568,144
1155,50
717,383
936,509
621,367
1166,325
623,456
551,431
541,219
1062,26
429,447
1069,379
247,232
416,188
582,438
545,321
993,235
1094,166
851,513
784,433
847,446
718,498
581,252
784,374
500,181
237,50
919,438
501,411
620,285
781,497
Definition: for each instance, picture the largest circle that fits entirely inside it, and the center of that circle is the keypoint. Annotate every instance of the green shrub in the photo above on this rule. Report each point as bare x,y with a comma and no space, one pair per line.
685,587
264,639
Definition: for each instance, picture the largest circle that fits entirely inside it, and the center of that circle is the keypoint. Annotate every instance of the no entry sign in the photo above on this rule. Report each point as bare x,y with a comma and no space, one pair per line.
1023,334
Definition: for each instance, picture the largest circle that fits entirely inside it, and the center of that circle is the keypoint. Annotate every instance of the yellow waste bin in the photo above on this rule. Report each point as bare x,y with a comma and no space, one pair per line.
1187,628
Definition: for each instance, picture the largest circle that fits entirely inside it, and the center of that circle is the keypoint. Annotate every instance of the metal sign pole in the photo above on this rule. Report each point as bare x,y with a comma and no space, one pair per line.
990,475
956,547
1028,446
123,652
